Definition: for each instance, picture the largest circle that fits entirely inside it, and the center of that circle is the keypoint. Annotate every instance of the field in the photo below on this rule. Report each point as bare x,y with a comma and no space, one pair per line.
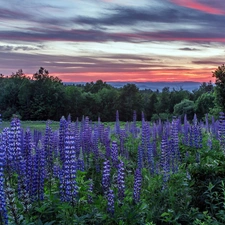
138,172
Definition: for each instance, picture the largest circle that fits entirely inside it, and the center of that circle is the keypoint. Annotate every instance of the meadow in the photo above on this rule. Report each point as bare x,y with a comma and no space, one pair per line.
138,172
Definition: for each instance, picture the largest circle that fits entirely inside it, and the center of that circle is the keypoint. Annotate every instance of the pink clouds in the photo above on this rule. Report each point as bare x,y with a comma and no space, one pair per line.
156,75
194,4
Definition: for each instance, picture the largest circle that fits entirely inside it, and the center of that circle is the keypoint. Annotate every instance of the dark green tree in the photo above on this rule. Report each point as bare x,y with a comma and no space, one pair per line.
219,74
130,99
185,107
204,104
48,96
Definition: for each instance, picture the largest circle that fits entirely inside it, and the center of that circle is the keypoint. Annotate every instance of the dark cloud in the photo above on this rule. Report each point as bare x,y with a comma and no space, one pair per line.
208,62
79,35
8,14
9,48
64,64
189,49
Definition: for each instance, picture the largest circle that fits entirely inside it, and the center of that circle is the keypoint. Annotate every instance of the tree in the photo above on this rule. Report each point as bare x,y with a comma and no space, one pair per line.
219,74
204,104
129,100
185,107
48,96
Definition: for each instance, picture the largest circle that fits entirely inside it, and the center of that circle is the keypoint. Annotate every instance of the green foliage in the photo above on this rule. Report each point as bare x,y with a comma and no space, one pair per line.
219,74
185,107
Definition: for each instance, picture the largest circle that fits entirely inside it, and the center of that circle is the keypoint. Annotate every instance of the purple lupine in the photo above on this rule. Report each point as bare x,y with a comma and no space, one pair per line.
106,177
175,144
207,123
140,160
48,148
86,141
165,159
221,131
68,174
3,209
80,164
150,156
134,128
185,131
122,137
107,150
90,191
95,148
15,145
137,186
39,178
121,181
196,136
110,204
62,130
114,153
8,151
117,125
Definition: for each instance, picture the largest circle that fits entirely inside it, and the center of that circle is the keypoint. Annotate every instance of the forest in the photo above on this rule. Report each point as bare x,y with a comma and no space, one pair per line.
43,97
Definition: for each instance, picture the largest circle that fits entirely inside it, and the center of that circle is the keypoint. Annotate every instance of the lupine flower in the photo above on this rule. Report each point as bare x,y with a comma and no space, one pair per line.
114,153
137,185
15,145
3,210
95,149
121,181
62,130
48,149
150,158
80,164
165,162
117,126
221,131
110,205
106,176
140,157
90,191
39,174
68,174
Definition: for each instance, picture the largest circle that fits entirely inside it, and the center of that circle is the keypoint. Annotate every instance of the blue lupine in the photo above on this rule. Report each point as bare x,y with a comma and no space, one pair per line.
221,131
122,137
150,156
140,161
90,191
8,151
48,148
68,174
15,145
114,153
175,153
62,130
95,148
80,164
165,159
106,177
117,125
38,181
121,181
110,205
137,186
3,210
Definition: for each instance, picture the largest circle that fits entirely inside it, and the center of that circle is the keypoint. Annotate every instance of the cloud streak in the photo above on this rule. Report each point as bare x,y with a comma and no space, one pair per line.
137,39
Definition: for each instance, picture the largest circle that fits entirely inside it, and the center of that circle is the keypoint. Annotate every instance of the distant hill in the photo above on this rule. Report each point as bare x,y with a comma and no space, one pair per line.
188,85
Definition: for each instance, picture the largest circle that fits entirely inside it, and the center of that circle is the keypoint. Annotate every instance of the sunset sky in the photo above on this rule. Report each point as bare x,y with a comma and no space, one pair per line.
113,40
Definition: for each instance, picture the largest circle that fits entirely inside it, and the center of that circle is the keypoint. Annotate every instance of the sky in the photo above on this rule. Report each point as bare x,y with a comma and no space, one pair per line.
113,40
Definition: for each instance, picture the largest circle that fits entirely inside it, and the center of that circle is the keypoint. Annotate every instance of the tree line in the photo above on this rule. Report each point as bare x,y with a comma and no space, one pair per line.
43,97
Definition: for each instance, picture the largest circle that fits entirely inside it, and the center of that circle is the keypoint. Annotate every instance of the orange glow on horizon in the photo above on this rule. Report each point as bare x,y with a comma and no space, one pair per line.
167,75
